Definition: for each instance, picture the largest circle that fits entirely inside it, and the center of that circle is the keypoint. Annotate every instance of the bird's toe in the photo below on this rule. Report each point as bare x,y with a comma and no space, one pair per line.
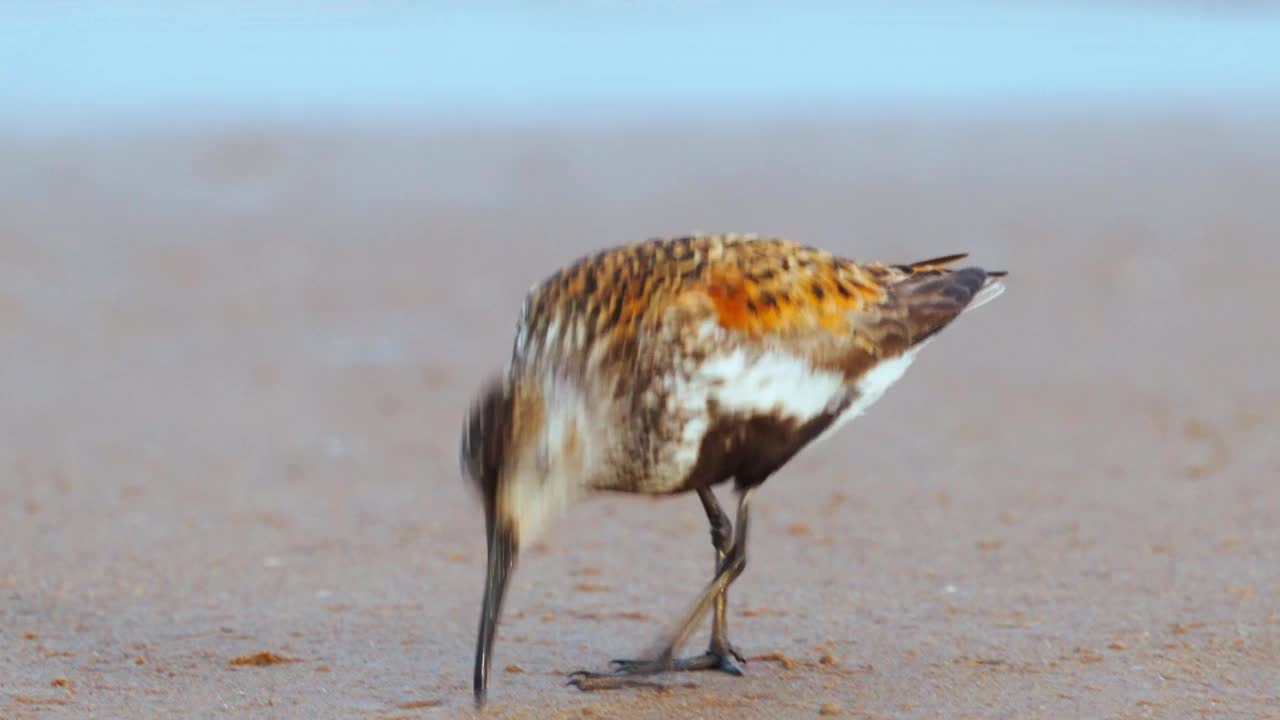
724,661
729,650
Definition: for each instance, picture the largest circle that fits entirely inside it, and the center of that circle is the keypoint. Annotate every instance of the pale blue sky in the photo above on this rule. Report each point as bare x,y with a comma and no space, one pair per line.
66,63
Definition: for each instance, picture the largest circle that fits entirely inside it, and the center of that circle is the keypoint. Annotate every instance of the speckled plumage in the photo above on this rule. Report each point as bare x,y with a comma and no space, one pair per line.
607,305
636,327
672,365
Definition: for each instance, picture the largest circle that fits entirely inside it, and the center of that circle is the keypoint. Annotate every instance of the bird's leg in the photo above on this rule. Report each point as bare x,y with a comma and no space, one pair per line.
735,560
721,655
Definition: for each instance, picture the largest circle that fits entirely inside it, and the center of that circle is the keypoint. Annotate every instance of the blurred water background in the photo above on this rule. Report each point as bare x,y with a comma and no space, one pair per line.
80,66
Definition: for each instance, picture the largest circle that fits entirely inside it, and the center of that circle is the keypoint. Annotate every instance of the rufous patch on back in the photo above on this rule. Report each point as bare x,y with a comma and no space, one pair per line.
782,300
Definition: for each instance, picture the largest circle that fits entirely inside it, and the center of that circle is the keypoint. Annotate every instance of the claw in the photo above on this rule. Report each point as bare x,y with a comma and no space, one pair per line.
733,652
625,671
729,665
723,659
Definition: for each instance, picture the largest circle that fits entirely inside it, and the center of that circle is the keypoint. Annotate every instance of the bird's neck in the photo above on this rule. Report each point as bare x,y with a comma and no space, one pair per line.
577,431
563,445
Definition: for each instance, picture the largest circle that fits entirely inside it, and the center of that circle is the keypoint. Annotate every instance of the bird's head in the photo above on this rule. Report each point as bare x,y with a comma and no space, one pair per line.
523,448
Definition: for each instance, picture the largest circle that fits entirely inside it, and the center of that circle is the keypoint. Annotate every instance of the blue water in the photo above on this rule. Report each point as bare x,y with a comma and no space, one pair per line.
79,62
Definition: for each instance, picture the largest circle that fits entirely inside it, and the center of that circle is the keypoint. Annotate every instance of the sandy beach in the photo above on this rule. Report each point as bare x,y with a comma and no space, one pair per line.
236,361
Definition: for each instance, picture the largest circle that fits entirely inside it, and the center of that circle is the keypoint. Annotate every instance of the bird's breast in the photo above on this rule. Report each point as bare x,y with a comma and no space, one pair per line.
730,412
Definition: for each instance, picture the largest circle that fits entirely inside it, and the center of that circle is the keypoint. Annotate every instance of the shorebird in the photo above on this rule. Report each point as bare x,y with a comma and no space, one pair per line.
675,364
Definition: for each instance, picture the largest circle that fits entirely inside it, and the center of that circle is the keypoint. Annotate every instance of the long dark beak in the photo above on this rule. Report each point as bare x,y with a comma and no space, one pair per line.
502,557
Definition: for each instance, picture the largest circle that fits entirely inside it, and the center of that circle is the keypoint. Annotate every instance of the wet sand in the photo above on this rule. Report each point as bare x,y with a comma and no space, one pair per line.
235,365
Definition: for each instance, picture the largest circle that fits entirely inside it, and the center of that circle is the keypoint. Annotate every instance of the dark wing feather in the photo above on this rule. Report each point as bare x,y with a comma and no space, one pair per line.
929,302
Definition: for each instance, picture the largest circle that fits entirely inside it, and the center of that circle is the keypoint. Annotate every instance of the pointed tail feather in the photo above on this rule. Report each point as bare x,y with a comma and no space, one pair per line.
991,289
934,299
932,263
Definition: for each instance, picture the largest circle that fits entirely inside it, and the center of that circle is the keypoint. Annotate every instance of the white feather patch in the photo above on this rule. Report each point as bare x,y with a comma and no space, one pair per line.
770,383
989,292
533,502
881,377
551,473
872,385
739,382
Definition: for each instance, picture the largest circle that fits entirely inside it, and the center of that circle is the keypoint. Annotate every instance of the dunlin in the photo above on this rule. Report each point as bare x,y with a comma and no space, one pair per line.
676,364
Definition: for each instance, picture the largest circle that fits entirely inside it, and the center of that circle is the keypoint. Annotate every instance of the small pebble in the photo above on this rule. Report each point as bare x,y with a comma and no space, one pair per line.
778,657
799,530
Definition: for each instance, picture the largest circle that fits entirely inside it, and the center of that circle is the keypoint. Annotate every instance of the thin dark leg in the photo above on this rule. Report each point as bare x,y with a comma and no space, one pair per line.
721,654
732,566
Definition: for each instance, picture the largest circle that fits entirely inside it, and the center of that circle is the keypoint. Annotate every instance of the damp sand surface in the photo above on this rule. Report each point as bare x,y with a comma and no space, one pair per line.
236,361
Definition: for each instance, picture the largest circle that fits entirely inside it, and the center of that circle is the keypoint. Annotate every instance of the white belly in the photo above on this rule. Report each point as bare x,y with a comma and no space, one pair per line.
752,384
770,383
871,386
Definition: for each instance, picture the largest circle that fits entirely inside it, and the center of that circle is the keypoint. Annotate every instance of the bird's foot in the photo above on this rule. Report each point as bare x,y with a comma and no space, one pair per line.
723,657
626,673
622,673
